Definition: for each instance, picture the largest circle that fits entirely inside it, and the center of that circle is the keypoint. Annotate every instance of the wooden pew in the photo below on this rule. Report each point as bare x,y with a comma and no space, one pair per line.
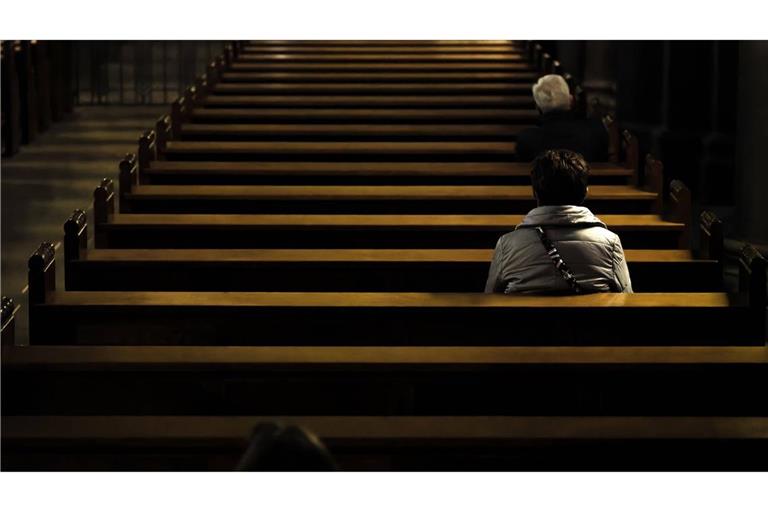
366,115
695,381
351,198
390,270
420,44
8,321
351,231
365,199
371,88
351,132
253,58
368,101
381,76
458,49
338,173
281,318
377,67
11,106
395,442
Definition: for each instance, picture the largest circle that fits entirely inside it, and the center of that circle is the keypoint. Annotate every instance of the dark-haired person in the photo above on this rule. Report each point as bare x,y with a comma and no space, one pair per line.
587,257
558,127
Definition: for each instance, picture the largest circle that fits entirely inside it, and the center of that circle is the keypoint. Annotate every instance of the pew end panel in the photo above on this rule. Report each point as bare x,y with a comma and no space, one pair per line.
129,177
752,286
75,245
8,321
681,210
630,155
653,181
711,241
103,209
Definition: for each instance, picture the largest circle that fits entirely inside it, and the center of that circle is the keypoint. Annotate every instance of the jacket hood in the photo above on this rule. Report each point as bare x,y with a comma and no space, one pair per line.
566,215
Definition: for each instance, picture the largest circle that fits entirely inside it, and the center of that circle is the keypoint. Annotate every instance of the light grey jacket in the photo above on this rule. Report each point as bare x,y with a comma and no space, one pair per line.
592,252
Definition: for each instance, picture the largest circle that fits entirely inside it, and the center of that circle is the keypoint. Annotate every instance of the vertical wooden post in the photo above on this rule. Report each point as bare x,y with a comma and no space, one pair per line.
752,283
630,151
128,178
712,247
8,322
654,181
75,244
42,273
147,150
103,208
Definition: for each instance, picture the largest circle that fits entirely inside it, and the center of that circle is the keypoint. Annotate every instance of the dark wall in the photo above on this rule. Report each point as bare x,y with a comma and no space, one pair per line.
681,98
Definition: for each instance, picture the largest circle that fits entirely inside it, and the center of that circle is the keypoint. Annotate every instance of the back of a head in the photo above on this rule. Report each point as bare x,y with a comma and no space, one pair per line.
559,177
275,447
551,93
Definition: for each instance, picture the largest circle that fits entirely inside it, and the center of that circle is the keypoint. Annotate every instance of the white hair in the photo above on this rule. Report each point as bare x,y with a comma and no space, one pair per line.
551,93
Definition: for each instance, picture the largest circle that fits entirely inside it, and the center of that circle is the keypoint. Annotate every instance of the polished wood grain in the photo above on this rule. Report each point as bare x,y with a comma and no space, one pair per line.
75,357
491,222
345,255
370,168
377,192
399,115
391,56
371,88
347,148
321,67
379,77
383,300
352,48
360,101
353,131
485,429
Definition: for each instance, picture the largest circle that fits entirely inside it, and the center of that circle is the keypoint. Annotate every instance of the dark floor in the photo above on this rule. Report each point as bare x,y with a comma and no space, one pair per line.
57,173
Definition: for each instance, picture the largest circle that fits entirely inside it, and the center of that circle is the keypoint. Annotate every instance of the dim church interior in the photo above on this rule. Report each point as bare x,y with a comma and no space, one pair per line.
303,237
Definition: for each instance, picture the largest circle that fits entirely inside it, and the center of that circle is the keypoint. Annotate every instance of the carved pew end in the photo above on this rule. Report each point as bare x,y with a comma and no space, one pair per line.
681,209
8,321
75,243
103,208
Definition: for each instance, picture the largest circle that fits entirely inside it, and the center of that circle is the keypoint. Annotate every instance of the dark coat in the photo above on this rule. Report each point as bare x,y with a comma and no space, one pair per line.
562,130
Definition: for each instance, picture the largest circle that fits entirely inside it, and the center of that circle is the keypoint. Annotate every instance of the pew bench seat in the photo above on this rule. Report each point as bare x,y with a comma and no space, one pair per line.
370,318
349,231
371,88
364,115
428,270
351,132
384,380
365,199
228,172
358,101
381,76
394,442
381,67
292,150
381,57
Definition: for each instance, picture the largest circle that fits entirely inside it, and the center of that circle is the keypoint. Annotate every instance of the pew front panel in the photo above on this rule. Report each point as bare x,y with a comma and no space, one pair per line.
395,442
699,381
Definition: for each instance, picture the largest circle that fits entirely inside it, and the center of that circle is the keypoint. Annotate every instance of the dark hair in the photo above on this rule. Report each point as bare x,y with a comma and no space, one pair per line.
275,447
559,176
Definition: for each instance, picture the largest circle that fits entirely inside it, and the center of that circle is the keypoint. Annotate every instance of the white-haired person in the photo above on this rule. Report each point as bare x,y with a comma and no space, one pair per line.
558,127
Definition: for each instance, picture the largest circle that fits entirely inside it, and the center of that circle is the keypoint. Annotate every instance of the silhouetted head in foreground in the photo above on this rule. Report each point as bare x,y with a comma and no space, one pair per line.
559,177
274,447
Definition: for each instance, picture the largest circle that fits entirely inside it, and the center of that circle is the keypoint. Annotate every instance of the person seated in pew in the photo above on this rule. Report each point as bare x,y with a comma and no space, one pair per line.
560,247
558,127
